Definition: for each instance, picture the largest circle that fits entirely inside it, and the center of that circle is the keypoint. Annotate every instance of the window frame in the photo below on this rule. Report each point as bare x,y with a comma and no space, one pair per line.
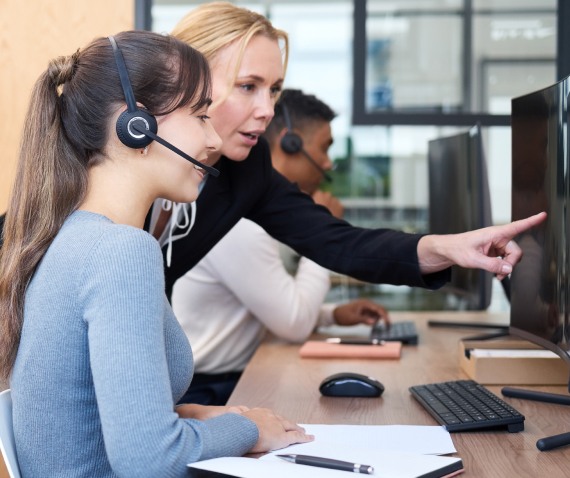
362,117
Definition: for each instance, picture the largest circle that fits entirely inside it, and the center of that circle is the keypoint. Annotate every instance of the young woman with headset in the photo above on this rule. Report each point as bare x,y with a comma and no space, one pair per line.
248,57
95,358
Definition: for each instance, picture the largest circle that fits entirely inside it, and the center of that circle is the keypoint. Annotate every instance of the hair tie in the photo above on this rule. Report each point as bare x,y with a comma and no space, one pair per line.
62,69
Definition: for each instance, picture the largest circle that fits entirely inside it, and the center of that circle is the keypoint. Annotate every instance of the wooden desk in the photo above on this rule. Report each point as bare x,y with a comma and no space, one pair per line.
279,379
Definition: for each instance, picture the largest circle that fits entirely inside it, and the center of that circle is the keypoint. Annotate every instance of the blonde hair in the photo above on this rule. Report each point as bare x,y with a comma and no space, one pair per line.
213,26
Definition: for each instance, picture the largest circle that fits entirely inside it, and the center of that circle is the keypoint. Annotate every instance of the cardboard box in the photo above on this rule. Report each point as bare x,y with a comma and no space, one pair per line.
511,361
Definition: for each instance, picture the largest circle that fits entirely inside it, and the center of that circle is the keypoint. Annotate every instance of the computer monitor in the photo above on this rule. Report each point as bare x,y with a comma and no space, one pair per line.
540,286
459,201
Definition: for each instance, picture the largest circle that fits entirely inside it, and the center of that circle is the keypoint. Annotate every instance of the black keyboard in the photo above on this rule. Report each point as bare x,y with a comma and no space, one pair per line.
463,405
404,331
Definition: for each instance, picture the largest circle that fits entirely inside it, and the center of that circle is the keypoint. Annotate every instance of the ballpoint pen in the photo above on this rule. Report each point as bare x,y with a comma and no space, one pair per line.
347,341
328,463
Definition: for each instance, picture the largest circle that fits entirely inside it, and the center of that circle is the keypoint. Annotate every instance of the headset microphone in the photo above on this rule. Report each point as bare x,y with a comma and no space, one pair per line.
292,143
136,127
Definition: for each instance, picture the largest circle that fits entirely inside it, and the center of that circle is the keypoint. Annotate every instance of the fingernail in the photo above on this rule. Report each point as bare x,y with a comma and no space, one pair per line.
506,269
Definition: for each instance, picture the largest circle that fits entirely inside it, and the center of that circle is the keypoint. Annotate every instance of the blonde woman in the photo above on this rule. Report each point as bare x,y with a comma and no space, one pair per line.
248,57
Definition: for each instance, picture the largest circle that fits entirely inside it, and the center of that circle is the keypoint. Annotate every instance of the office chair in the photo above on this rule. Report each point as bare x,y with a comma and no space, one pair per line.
7,443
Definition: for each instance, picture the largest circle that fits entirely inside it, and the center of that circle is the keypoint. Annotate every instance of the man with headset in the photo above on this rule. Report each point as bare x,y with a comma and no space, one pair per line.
247,286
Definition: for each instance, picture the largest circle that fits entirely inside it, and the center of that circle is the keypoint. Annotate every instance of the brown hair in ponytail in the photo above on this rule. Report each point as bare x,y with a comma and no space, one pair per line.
65,133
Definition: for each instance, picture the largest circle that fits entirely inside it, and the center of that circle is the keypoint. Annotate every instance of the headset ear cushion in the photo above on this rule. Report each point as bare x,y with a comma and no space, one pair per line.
128,136
291,143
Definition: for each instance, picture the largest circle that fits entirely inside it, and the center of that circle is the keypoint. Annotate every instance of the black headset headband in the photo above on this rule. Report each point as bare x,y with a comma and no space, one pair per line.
137,128
292,143
124,77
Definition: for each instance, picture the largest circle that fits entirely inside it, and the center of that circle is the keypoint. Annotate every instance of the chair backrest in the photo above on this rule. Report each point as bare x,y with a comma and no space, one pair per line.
7,442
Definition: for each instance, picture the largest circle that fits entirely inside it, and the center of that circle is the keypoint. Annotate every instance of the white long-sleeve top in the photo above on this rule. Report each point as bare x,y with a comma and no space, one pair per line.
240,290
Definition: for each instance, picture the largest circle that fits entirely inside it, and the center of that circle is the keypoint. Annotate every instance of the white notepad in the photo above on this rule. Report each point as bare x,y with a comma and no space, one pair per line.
395,451
386,465
425,440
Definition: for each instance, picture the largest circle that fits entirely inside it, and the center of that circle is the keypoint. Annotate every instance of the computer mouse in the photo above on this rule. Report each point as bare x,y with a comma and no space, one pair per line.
350,384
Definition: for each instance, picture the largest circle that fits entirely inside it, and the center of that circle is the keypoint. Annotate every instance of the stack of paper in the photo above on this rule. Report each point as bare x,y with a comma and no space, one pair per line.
395,451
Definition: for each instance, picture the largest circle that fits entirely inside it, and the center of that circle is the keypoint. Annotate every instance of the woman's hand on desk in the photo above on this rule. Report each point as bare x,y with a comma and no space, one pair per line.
204,412
360,311
275,432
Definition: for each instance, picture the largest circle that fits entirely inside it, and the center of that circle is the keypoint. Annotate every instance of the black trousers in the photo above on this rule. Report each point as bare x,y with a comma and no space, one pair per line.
211,389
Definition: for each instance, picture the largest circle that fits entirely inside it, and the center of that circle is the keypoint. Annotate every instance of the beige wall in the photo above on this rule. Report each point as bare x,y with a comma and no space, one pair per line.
31,33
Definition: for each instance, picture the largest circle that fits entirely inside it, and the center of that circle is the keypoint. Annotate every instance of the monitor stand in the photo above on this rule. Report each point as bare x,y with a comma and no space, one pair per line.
503,330
547,443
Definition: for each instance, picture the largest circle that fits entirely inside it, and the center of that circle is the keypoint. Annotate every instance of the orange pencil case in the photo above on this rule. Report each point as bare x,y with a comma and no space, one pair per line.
318,349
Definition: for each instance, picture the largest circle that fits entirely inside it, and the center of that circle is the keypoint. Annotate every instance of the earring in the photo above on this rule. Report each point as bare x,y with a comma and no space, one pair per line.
144,151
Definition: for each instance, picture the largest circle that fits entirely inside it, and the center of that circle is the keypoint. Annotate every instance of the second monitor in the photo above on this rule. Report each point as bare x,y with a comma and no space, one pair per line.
459,201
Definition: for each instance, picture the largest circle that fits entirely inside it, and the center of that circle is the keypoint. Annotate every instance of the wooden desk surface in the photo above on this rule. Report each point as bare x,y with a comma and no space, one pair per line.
279,379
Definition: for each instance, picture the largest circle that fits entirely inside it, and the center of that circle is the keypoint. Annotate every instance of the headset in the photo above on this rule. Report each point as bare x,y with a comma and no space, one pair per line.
292,143
136,127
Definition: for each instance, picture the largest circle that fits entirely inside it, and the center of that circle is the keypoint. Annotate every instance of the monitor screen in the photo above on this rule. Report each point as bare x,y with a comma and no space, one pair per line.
459,201
540,182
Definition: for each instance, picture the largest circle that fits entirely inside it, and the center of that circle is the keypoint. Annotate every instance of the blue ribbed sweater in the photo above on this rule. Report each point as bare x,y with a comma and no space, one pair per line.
102,361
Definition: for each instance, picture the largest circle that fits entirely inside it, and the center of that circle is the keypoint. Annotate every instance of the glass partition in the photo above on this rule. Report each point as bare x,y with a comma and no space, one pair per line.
440,62
399,73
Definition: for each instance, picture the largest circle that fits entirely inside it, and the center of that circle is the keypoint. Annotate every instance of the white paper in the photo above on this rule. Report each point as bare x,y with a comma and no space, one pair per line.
395,451
512,353
425,440
386,465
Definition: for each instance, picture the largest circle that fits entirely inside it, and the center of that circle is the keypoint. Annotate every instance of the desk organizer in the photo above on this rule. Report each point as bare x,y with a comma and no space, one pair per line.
511,361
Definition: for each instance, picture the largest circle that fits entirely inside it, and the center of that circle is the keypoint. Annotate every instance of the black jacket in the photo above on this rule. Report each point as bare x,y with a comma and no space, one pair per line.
253,189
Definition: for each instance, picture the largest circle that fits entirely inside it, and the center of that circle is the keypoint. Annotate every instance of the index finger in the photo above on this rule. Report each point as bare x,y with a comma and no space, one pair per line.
516,227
